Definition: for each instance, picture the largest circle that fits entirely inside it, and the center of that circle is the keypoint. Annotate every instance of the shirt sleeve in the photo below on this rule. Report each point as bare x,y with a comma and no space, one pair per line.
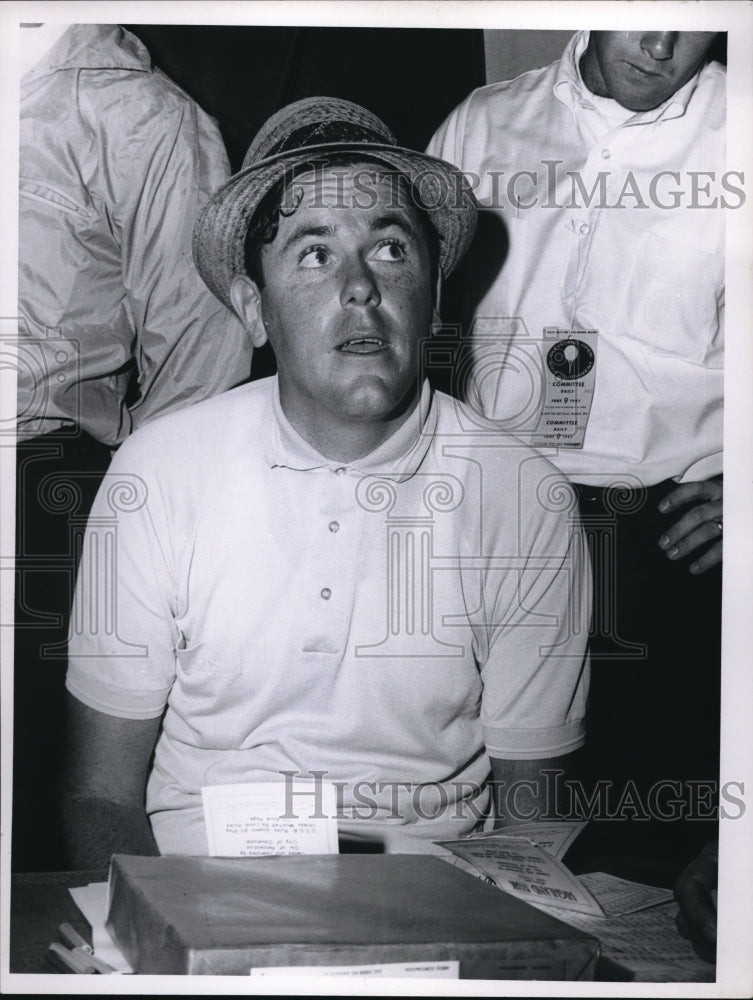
535,670
188,346
122,633
447,141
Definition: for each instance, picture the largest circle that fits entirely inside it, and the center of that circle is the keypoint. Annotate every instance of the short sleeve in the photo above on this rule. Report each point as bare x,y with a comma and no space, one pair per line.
535,673
447,141
122,634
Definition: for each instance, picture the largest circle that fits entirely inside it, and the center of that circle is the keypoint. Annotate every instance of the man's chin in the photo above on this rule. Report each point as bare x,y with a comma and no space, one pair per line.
634,97
373,400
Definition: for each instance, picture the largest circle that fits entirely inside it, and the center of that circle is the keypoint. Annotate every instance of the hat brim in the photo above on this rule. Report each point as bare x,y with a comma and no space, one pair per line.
220,231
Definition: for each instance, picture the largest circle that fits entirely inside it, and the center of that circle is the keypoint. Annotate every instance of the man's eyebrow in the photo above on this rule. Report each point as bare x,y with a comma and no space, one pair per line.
390,219
306,231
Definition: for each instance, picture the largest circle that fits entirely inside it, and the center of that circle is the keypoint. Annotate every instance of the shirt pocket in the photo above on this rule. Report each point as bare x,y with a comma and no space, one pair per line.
208,684
672,299
64,234
54,198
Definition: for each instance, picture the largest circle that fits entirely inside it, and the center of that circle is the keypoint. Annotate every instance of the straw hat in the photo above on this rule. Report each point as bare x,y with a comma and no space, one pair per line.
307,130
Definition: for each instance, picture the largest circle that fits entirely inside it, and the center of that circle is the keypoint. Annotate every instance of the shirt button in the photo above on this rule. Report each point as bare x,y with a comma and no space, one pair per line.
584,228
340,471
334,526
605,154
326,593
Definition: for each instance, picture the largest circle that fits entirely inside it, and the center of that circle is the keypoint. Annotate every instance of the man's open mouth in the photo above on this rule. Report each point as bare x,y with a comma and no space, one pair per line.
362,345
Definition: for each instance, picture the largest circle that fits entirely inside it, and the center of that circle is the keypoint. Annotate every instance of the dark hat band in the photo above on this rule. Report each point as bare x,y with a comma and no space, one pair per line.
321,133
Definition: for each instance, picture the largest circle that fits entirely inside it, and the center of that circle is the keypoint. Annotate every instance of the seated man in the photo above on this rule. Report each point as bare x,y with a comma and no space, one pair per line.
334,570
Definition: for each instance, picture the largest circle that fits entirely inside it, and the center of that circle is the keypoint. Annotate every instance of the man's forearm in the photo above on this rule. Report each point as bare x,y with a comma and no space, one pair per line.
521,788
104,786
96,828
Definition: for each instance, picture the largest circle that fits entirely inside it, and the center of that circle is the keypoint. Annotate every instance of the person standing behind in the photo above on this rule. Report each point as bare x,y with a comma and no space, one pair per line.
604,174
115,327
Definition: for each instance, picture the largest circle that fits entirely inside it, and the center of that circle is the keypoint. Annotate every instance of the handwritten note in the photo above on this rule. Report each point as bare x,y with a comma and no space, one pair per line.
260,818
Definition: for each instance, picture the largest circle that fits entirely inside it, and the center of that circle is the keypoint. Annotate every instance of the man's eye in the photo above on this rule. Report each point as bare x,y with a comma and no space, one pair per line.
314,257
390,250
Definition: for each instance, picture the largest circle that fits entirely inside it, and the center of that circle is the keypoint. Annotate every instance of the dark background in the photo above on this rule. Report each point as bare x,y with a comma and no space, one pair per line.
411,78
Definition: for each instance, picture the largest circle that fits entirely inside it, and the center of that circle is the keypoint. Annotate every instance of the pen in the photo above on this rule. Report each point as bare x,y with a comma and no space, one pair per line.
91,959
68,961
72,938
81,947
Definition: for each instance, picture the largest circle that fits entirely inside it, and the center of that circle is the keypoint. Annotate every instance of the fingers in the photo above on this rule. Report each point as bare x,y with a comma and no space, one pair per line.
698,528
696,919
700,932
685,493
712,557
694,892
703,947
678,544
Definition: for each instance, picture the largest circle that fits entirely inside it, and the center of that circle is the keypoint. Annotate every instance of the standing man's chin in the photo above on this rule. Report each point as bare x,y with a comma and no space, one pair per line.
373,398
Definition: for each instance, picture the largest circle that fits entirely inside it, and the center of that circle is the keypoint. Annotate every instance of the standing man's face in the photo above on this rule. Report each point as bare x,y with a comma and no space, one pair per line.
642,69
347,298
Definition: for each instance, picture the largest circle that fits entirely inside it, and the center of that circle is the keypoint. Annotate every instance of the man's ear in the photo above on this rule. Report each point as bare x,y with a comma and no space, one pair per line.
246,299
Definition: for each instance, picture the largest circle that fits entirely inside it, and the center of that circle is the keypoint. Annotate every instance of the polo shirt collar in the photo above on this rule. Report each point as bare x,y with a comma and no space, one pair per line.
570,89
398,458
568,85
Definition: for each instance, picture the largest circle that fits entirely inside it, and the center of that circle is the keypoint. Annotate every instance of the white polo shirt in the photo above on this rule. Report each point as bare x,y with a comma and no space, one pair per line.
389,622
615,223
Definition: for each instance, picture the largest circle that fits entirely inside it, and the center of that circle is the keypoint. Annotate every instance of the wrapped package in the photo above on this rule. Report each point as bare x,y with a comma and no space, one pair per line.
227,916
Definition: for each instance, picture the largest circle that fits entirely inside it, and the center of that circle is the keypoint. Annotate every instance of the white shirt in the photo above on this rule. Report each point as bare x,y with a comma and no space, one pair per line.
389,621
115,162
649,279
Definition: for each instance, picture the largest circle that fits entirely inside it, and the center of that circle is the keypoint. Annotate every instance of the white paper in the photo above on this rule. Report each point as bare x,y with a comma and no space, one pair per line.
393,970
523,869
617,896
262,818
555,838
648,944
465,866
92,901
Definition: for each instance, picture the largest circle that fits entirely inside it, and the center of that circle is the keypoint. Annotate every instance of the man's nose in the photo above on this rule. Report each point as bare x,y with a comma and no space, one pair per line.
659,44
359,285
